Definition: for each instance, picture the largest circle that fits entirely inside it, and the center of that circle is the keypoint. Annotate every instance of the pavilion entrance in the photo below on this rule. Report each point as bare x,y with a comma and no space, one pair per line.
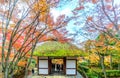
57,66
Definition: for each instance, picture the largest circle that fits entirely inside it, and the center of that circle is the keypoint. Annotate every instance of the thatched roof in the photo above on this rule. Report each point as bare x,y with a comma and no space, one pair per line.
54,48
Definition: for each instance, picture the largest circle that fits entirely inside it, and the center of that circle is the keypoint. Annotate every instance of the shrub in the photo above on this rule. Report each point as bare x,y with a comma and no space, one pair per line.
92,75
85,63
110,73
113,73
83,66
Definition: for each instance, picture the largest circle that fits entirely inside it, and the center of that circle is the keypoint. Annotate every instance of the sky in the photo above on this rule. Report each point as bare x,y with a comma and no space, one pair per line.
67,8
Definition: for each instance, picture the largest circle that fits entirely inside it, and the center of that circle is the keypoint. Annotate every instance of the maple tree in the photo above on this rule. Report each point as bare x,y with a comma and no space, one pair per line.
105,18
106,21
102,18
22,29
102,51
99,16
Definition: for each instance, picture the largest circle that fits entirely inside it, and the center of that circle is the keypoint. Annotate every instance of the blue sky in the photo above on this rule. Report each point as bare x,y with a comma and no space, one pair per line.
66,7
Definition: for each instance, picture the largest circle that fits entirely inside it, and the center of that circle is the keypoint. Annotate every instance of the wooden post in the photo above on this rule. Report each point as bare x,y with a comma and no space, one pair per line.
49,65
64,65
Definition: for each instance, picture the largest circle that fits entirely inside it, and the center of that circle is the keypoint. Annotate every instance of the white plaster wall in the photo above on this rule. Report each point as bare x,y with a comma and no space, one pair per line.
70,63
43,63
70,71
43,71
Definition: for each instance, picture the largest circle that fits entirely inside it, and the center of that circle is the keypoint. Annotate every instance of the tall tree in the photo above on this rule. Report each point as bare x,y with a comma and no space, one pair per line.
23,25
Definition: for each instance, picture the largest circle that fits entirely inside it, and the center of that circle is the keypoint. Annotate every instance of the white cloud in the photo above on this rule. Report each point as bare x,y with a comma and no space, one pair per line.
117,2
56,12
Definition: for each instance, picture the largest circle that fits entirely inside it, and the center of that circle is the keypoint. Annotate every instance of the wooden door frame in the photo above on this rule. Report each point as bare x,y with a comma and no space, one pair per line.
50,64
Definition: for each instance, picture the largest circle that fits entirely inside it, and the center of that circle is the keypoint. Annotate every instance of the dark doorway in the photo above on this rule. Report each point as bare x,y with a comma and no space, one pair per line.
57,66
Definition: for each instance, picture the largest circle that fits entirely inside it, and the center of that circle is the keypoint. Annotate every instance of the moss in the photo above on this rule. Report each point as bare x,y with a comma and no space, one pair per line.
57,49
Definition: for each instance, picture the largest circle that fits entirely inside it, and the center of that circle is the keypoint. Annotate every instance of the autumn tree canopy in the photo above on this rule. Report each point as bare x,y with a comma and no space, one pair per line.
23,24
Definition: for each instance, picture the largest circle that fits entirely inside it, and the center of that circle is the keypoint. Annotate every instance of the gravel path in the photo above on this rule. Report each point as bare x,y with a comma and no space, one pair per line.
56,76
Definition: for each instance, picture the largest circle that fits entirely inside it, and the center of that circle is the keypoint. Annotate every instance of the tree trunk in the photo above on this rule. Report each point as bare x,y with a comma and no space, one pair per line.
26,73
102,65
118,65
6,73
89,62
111,61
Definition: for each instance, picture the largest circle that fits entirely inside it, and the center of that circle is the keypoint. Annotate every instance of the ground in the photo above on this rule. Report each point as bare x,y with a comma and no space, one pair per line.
55,76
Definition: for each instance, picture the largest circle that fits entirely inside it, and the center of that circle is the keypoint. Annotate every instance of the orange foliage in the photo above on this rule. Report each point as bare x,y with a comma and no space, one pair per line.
108,0
3,1
79,8
42,7
43,38
58,35
50,21
99,44
93,58
19,38
89,18
82,0
22,63
61,36
110,26
94,1
59,20
108,6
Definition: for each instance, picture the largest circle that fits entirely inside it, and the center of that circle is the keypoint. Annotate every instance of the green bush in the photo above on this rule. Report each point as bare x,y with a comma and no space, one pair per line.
83,66
80,71
92,75
99,74
85,63
113,73
110,73
96,72
94,65
115,65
